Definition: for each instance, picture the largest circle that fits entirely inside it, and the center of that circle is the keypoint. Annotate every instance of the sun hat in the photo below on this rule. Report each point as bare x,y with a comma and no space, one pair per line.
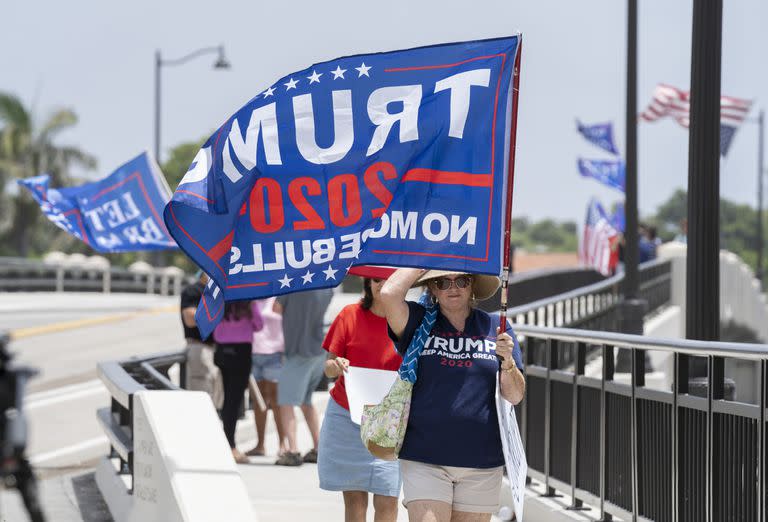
483,285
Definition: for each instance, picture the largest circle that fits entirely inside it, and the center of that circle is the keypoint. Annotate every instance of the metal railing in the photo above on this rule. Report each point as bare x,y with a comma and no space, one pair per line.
123,379
640,453
30,275
595,307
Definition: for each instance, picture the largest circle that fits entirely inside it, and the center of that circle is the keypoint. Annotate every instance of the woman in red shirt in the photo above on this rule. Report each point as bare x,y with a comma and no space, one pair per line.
358,337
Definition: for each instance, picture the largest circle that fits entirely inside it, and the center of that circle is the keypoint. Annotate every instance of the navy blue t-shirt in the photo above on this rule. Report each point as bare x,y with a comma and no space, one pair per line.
453,419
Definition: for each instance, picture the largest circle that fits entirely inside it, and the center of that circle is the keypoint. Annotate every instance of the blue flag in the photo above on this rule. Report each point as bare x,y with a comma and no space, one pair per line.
600,134
607,172
396,158
120,213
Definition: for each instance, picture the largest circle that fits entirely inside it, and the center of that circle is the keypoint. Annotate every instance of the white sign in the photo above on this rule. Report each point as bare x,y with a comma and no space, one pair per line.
366,386
514,452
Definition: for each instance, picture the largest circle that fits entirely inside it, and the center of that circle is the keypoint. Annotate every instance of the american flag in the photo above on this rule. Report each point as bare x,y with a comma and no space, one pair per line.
672,102
599,244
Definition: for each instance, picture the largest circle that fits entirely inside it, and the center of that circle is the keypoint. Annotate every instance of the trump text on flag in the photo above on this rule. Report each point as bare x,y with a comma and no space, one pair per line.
396,159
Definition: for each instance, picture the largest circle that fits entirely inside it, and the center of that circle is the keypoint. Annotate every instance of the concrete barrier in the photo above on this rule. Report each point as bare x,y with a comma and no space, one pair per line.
183,467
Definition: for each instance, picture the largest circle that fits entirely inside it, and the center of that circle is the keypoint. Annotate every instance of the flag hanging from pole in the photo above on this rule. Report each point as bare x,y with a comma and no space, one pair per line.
600,134
675,103
599,243
120,213
398,158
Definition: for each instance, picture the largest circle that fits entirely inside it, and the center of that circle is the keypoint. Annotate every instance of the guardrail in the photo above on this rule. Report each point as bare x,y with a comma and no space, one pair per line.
595,307
640,453
31,275
122,379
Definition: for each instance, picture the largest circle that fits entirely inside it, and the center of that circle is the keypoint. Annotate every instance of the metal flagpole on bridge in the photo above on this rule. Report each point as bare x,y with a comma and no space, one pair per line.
510,182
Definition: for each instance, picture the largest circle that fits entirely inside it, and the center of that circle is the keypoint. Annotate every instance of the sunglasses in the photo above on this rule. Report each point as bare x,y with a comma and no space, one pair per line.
443,283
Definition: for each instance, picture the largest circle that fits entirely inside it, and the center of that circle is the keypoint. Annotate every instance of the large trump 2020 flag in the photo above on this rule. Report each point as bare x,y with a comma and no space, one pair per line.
398,158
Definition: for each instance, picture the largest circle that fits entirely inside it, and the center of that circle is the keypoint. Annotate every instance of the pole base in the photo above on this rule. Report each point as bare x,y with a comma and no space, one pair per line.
631,316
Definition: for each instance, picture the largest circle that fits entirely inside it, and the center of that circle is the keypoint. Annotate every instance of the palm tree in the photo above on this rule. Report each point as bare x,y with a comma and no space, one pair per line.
28,149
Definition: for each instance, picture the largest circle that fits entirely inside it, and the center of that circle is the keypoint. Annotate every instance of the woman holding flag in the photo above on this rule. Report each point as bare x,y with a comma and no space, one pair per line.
357,337
452,457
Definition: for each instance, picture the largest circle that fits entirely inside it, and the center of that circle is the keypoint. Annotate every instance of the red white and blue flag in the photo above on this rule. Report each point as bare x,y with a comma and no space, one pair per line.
675,103
398,158
599,243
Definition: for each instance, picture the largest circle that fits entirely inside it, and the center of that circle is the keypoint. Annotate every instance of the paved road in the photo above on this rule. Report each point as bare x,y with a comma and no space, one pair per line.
65,336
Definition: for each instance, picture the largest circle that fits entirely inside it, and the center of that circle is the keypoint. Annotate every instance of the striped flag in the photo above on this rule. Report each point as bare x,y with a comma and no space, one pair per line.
672,102
599,243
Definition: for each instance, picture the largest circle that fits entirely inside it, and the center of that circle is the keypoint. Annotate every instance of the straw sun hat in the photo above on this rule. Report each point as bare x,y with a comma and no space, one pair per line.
483,286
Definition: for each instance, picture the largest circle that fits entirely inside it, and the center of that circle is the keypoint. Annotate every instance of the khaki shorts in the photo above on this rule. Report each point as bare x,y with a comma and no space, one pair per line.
471,490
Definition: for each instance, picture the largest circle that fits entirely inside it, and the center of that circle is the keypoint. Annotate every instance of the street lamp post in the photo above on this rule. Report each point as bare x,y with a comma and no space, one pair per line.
220,63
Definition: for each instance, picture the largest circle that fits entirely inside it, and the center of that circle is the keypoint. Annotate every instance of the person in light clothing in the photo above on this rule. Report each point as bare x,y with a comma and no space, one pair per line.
454,397
302,371
266,363
357,337
202,374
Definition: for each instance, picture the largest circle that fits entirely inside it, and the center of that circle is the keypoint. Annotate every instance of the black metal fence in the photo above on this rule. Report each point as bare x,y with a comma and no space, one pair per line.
640,453
595,307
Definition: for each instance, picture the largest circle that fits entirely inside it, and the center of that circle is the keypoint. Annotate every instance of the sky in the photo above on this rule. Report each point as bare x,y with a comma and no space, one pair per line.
97,58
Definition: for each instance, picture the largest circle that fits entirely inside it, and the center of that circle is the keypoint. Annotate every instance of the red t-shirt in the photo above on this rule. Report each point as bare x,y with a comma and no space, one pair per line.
360,336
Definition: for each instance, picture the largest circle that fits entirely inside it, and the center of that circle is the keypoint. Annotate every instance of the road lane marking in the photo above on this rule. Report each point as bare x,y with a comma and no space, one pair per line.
62,390
35,460
34,331
40,403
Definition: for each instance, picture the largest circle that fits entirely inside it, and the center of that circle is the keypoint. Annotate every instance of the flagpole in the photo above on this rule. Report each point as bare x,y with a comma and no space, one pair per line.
633,307
510,183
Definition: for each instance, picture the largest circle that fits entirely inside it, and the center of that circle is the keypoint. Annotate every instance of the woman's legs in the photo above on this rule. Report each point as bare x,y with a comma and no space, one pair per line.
260,418
355,506
235,370
269,393
385,508
463,516
429,511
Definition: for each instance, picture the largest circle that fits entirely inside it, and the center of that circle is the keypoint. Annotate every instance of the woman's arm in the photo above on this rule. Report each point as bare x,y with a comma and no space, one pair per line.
256,319
335,366
393,297
512,380
512,383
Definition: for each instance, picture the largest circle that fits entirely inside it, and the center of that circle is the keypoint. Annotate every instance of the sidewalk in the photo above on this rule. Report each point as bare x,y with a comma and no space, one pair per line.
285,494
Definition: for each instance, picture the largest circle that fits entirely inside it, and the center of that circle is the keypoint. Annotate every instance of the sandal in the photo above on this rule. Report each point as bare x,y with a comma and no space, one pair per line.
311,456
255,452
289,459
